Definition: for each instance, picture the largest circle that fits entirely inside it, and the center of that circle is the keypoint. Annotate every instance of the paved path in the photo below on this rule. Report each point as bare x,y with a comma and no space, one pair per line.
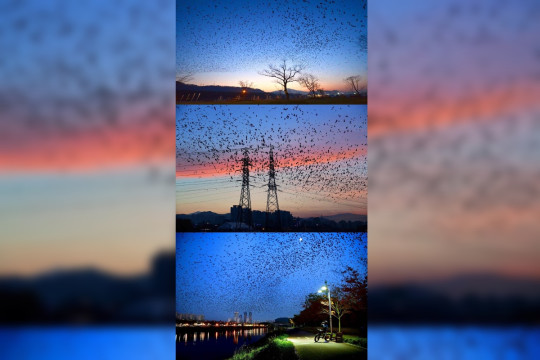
308,349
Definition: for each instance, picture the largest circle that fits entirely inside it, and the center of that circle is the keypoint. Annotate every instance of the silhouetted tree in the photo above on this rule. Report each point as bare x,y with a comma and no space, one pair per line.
184,78
356,83
312,312
283,74
310,82
245,85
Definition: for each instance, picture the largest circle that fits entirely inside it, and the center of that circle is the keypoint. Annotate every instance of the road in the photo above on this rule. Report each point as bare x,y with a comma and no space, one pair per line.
308,349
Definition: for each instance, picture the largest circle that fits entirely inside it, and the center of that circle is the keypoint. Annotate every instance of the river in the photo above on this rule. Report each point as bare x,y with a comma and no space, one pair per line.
214,345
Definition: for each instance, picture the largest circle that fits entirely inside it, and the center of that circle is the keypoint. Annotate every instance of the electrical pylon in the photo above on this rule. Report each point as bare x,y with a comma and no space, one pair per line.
244,211
272,204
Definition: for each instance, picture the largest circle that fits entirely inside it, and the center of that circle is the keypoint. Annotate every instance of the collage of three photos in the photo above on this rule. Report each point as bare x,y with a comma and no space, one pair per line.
271,180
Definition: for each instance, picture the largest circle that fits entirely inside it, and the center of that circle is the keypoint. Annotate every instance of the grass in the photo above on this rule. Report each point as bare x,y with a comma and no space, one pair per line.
278,348
355,340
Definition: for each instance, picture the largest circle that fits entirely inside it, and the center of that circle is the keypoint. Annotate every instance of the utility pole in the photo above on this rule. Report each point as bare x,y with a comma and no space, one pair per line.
272,204
329,307
244,211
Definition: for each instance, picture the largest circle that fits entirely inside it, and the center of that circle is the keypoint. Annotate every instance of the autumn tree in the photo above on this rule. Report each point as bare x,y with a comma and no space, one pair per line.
355,288
312,312
283,74
356,83
310,82
348,298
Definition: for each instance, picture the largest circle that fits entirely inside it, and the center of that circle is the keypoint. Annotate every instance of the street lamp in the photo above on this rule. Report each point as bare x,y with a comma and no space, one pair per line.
326,289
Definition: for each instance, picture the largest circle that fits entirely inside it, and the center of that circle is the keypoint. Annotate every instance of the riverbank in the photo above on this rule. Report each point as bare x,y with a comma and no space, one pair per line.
271,347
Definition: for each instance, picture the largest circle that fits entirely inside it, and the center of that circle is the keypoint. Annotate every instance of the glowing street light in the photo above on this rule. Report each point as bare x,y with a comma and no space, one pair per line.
326,289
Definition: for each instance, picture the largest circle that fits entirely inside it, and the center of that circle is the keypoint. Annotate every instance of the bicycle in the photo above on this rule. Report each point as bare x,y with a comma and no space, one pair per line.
322,334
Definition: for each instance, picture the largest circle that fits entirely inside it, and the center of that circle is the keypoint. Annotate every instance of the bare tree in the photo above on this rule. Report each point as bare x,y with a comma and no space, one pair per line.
310,82
245,85
184,78
356,83
283,74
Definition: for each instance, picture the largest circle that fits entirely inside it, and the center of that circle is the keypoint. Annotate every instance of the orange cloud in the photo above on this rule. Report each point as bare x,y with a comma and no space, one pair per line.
207,170
413,111
88,150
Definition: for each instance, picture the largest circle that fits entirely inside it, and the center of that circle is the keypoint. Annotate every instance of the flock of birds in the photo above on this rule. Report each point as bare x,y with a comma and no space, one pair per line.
222,36
263,272
320,152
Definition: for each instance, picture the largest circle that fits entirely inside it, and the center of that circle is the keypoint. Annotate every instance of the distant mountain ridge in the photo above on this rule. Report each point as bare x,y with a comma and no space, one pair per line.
215,88
182,87
212,216
290,91
346,217
301,92
90,295
205,217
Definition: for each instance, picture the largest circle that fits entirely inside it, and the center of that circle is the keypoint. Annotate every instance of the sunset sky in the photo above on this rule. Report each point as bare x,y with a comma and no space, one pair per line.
470,70
320,154
223,42
86,136
453,139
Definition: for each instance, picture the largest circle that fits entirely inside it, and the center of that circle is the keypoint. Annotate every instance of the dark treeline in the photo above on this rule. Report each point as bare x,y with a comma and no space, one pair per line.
209,221
90,296
412,304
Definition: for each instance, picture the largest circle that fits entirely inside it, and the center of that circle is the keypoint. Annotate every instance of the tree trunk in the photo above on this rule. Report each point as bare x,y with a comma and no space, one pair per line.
339,324
286,92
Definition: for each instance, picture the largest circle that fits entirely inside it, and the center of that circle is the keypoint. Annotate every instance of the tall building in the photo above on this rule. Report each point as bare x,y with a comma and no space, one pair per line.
236,316
240,319
245,317
250,318
235,212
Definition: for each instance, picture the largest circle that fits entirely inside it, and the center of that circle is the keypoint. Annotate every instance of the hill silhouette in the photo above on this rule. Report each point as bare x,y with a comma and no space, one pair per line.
464,299
210,221
89,295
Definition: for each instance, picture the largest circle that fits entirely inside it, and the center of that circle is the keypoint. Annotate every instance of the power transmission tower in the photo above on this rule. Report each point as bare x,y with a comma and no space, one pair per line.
272,205
244,210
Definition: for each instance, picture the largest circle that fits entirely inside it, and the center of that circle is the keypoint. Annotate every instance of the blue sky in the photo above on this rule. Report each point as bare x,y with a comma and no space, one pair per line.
266,273
222,42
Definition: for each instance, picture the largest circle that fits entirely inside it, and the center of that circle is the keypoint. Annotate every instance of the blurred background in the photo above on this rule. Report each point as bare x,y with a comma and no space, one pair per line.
454,144
87,179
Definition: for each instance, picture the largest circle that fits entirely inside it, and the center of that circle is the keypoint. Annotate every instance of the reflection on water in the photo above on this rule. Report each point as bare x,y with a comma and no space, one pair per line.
214,344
